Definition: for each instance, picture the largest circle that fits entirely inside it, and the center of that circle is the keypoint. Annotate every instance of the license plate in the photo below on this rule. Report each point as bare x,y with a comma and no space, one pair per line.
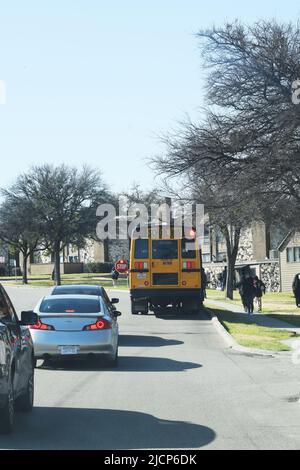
68,350
141,276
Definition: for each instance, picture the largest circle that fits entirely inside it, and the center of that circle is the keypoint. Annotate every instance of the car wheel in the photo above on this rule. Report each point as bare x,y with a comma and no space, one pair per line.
25,401
7,413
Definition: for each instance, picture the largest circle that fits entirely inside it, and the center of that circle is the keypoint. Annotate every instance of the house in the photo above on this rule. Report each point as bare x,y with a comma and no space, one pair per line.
289,259
258,253
73,259
9,261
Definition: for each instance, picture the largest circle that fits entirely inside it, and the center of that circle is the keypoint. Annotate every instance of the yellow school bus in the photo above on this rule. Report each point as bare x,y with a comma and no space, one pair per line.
165,272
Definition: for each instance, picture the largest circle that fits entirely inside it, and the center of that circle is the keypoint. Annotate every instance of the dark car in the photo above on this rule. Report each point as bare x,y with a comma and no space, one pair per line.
16,362
84,289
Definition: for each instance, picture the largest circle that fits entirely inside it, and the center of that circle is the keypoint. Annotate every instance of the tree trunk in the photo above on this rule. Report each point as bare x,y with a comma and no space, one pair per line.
230,276
232,245
57,278
24,268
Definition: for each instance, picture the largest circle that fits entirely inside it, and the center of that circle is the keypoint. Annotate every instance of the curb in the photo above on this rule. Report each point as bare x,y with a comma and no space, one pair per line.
232,343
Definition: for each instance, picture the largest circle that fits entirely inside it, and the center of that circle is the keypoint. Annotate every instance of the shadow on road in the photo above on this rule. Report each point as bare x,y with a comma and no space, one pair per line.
146,341
79,428
177,314
126,364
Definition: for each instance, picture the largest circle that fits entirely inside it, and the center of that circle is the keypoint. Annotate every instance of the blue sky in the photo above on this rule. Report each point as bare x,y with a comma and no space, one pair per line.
92,81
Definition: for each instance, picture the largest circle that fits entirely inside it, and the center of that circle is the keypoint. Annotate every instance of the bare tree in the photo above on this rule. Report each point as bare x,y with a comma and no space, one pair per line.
242,160
209,164
63,200
251,70
137,195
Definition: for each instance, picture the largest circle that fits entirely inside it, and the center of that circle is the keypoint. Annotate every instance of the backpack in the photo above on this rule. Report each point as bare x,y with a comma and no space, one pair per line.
114,274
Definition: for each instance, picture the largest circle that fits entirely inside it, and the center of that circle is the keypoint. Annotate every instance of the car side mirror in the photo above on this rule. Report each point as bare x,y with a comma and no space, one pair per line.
115,301
117,313
29,318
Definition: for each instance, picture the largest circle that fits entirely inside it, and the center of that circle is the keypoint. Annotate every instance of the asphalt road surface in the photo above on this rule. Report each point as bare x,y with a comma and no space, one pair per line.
177,386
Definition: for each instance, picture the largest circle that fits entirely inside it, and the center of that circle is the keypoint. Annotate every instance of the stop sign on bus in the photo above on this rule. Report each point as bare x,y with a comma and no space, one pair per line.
121,266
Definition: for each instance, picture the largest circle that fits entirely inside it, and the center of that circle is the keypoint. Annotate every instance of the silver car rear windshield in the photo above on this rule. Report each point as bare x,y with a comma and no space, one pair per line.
56,305
76,291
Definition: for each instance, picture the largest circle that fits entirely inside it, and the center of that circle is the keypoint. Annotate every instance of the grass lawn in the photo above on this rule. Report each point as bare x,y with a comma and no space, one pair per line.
247,333
95,279
63,276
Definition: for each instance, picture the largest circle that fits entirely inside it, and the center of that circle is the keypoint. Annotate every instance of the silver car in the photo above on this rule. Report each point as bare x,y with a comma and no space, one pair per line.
75,326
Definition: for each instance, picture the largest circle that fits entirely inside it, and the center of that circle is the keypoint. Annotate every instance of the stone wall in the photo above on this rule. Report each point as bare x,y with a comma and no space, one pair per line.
245,252
268,272
118,249
270,275
212,271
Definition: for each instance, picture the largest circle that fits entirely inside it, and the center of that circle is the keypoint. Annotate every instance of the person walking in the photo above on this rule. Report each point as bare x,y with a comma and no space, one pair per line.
115,276
224,278
259,290
204,283
247,293
296,289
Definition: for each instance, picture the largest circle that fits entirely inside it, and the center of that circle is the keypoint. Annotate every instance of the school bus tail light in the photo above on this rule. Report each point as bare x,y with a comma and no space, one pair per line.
140,265
189,265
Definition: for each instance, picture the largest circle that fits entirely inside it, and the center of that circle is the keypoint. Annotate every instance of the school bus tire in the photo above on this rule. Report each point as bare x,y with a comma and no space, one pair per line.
139,308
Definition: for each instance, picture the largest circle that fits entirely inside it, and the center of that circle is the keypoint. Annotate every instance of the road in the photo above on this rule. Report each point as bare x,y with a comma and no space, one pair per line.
177,386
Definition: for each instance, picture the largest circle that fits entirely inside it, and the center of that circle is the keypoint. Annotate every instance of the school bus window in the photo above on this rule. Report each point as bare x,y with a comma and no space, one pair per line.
188,249
164,249
141,250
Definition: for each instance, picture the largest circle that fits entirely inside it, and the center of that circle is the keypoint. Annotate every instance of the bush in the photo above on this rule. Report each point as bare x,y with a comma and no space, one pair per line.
98,267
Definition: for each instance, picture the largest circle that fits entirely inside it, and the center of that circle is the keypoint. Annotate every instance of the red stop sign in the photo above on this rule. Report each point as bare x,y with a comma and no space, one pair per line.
121,266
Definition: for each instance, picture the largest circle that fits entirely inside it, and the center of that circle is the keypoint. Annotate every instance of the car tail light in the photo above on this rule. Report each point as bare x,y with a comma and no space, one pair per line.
189,265
140,265
41,326
100,324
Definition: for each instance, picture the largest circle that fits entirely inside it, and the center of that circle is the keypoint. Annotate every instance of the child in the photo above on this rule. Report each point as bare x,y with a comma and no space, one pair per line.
114,276
260,289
